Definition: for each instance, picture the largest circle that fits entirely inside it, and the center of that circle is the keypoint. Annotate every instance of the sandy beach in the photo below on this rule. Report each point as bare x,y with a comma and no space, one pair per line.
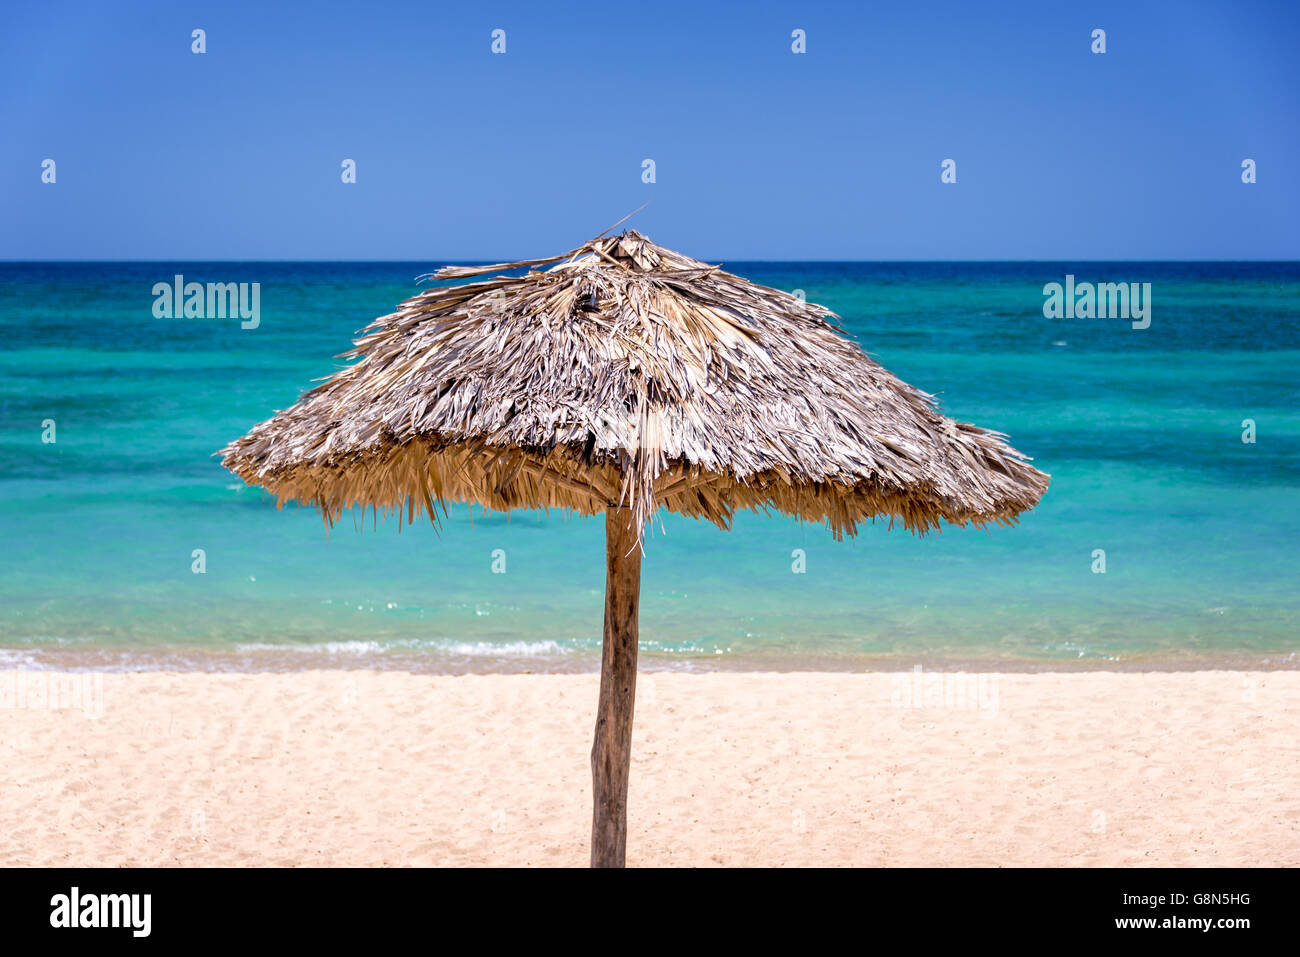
384,768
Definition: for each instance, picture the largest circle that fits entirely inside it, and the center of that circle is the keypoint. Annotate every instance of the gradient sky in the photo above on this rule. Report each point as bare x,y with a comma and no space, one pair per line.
760,153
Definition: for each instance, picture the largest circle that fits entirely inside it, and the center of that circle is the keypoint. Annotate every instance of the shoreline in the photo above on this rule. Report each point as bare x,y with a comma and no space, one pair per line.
300,658
331,767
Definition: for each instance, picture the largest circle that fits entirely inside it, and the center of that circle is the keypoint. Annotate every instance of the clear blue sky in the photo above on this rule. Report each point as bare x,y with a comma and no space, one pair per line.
760,153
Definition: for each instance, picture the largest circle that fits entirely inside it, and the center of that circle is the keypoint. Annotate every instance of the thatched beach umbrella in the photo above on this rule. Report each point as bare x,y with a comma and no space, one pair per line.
622,379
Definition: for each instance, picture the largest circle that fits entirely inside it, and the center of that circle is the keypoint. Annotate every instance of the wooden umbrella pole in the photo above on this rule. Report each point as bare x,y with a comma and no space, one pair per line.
611,754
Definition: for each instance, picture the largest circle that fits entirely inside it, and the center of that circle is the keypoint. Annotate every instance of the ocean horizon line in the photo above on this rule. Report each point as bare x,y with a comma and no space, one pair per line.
460,260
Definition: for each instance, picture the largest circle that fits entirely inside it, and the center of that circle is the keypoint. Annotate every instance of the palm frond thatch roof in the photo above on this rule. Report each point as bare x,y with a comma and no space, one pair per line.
625,374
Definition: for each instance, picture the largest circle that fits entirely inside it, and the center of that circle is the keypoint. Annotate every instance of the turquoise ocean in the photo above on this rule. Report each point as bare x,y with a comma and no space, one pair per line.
1141,430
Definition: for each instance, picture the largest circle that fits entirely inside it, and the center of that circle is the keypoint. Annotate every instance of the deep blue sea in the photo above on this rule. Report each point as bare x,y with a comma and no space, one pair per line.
1141,430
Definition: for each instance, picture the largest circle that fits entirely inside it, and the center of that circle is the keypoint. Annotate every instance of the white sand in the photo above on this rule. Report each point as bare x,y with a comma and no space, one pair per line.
335,767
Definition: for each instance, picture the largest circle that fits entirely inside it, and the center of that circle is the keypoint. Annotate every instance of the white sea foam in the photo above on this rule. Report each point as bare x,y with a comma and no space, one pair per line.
508,649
